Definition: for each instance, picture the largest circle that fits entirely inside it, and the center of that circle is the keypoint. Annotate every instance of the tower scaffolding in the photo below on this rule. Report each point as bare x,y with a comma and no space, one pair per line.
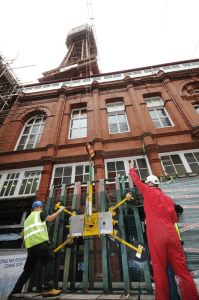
8,88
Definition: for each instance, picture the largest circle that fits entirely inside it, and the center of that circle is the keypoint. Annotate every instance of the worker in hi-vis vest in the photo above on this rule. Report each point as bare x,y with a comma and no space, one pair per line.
164,244
39,248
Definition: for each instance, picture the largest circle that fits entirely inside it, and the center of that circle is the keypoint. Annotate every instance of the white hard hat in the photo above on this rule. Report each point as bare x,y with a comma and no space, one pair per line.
153,179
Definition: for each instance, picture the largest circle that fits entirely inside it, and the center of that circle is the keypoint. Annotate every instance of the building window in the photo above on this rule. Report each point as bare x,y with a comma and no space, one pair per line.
31,133
193,161
117,119
78,124
158,113
196,91
120,167
173,164
20,182
196,106
71,173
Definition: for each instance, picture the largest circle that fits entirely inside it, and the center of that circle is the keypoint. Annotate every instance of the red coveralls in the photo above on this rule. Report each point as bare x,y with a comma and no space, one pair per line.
164,243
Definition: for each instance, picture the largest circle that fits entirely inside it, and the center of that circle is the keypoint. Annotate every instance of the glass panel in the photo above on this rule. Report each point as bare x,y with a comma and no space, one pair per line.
149,103
112,119
111,166
35,129
166,160
38,138
8,188
27,130
196,91
152,113
180,169
119,106
29,146
87,169
156,102
75,124
86,177
20,147
161,112
31,121
13,187
121,173
27,174
67,171
79,170
120,165
3,188
41,128
112,175
83,112
75,113
17,176
197,109
189,157
194,167
79,178
110,107
44,119
12,176
74,133
28,186
39,120
34,186
82,132
144,173
58,172
23,185
142,163
166,122
123,127
83,122
176,159
196,154
23,140
57,181
32,174
8,176
156,123
66,180
31,139
170,170
113,128
121,117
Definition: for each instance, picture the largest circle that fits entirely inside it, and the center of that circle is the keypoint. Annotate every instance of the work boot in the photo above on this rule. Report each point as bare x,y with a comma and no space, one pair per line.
52,293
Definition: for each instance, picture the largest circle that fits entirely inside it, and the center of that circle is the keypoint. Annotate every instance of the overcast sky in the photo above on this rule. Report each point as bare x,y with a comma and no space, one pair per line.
130,33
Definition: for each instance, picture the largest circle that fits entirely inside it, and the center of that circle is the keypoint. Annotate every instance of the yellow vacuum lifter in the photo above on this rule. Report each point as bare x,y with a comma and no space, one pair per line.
90,224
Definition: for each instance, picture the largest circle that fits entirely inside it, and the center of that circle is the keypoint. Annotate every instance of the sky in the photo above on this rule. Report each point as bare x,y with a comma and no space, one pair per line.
130,33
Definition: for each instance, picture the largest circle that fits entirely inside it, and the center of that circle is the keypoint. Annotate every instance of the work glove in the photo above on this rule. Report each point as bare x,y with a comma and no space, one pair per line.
61,208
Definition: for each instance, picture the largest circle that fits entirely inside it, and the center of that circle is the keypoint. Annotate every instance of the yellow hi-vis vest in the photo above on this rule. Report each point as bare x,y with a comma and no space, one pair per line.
35,231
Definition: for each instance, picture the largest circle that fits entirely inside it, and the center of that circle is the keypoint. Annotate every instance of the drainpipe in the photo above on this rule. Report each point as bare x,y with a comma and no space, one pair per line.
176,104
56,145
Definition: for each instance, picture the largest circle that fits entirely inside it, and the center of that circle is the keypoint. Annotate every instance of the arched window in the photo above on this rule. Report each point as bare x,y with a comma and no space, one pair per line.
31,134
196,91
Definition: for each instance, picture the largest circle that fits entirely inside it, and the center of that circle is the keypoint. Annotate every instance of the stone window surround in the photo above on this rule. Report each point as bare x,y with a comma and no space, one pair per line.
19,179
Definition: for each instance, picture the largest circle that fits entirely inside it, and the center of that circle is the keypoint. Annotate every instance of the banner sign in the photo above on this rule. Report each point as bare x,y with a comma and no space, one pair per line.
181,190
11,267
191,250
189,227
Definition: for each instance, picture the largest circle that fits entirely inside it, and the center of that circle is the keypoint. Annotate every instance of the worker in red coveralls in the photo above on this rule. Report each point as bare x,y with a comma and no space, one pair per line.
164,243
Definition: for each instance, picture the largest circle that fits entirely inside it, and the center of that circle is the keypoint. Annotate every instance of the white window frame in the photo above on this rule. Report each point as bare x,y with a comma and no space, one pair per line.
196,106
196,91
126,163
79,137
20,179
154,108
35,117
73,165
183,159
116,112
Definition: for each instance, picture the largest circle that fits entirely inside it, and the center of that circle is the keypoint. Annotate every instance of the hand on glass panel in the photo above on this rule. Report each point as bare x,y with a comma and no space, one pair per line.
131,165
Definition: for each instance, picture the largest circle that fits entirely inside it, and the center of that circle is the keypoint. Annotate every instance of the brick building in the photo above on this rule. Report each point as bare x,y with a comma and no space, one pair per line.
150,114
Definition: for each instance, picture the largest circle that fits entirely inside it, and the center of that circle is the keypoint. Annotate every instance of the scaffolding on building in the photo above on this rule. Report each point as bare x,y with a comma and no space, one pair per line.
9,84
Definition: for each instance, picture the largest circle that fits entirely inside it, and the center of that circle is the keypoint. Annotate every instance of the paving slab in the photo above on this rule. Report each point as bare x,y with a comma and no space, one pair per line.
109,297
79,296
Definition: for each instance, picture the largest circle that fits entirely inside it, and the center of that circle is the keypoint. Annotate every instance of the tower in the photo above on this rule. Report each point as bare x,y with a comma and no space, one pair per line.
81,58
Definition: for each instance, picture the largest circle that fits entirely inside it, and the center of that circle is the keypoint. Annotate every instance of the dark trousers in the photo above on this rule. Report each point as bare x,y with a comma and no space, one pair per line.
46,255
172,284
